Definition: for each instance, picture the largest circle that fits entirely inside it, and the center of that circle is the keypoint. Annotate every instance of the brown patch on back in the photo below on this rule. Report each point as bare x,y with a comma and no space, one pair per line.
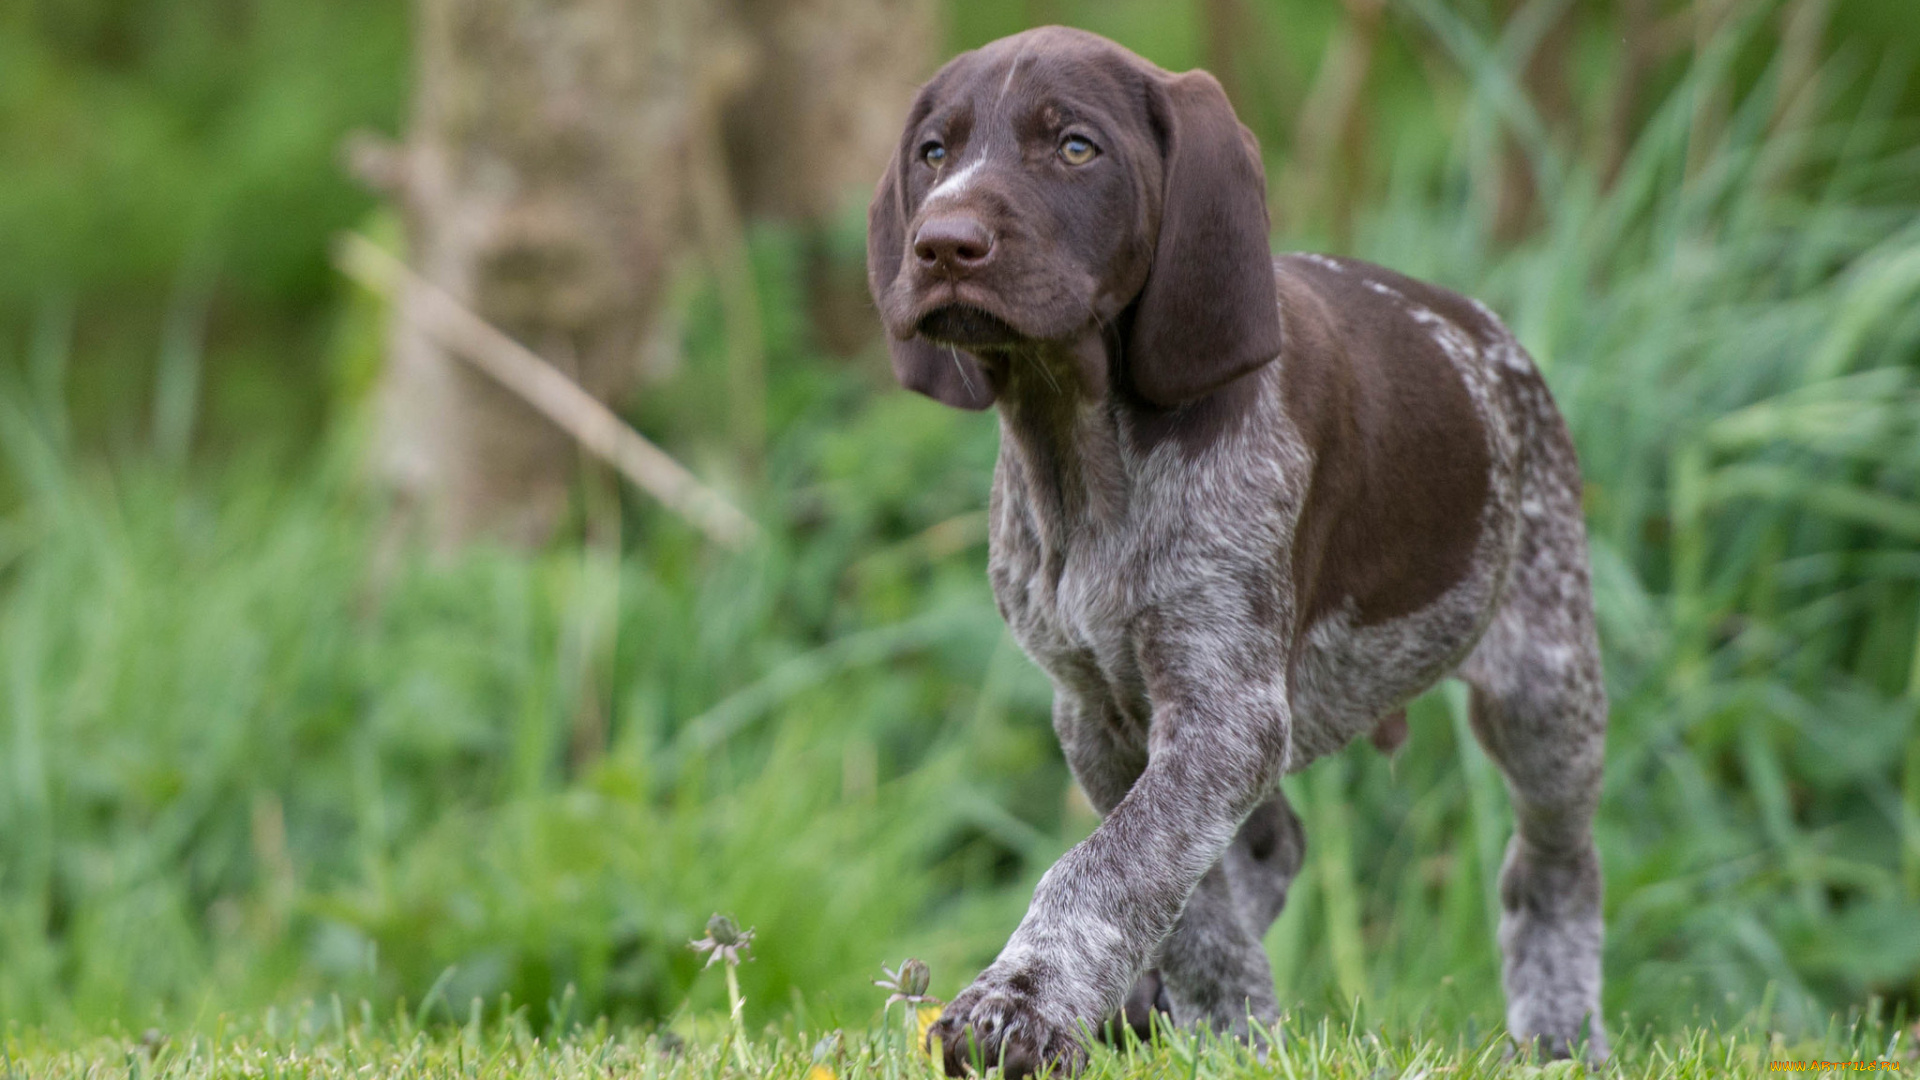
1401,465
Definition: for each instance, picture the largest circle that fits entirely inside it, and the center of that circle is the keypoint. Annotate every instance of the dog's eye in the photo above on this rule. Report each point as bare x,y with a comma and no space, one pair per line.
1075,150
933,154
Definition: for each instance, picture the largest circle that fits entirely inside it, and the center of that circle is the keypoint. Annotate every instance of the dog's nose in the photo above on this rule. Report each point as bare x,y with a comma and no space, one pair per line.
953,242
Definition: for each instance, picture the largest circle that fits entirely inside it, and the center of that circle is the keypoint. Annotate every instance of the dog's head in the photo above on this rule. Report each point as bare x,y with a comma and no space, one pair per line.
1053,187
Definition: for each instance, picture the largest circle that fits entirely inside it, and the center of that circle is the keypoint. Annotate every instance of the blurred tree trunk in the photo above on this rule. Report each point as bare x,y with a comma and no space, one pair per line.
815,116
539,185
828,90
563,156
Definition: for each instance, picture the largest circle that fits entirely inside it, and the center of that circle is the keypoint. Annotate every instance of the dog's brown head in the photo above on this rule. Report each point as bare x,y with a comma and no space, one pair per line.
1053,187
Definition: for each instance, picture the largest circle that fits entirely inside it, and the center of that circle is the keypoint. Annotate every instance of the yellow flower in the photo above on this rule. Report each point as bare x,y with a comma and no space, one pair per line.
926,1015
820,1072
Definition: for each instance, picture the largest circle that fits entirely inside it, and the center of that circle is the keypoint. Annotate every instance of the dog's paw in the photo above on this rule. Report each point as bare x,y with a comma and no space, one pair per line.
1006,1019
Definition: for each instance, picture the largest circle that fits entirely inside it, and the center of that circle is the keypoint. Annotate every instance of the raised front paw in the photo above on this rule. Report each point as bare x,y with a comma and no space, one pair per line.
1008,1019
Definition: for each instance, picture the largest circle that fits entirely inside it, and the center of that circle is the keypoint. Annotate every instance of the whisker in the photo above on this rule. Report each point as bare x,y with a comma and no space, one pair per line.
1051,381
961,369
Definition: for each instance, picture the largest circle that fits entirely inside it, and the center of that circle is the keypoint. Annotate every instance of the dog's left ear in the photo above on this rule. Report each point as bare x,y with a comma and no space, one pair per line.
1208,313
944,374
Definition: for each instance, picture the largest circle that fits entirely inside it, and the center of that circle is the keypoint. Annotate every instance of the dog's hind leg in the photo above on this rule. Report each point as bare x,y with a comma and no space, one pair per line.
1214,954
1213,966
1539,708
1261,864
1213,962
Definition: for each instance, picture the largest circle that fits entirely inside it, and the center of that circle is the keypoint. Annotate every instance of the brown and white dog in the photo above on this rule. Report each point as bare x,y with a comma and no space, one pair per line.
1245,508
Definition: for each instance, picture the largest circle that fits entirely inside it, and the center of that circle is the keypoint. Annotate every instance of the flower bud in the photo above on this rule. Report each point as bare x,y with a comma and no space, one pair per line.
914,977
723,931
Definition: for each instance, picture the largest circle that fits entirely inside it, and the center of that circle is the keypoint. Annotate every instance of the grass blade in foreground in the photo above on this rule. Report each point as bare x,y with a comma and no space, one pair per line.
317,1044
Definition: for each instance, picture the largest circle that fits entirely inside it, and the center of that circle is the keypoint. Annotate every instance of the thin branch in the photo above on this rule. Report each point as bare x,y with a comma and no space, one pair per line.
597,428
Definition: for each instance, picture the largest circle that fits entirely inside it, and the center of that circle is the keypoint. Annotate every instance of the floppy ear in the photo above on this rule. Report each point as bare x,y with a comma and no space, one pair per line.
1208,312
944,374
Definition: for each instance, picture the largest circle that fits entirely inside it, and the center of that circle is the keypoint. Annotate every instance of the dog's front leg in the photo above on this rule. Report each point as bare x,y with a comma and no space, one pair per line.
1217,746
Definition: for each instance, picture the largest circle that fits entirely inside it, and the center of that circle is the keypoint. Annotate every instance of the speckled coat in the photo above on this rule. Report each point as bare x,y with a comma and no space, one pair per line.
1244,510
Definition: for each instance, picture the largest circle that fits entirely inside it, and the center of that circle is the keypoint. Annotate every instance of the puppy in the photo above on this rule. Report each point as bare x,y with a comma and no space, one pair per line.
1245,508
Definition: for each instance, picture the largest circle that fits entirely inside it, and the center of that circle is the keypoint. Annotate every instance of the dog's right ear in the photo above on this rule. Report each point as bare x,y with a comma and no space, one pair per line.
941,372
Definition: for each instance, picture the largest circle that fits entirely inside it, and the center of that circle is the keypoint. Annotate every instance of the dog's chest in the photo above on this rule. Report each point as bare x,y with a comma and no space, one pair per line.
1071,608
1085,558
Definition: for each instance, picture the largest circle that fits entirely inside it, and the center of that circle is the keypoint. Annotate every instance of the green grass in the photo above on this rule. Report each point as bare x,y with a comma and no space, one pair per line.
255,750
329,1042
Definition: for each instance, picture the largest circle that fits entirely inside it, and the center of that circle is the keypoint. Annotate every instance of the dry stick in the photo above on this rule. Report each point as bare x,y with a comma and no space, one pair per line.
543,386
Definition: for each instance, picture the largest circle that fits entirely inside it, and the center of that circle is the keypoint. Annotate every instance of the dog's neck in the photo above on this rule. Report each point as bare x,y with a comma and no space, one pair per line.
1060,433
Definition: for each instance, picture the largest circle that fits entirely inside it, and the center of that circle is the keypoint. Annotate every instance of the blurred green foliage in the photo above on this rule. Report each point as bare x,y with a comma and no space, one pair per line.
144,134
173,168
253,748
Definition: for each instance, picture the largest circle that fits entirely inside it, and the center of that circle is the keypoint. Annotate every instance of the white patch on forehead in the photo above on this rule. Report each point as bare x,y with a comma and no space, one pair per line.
955,184
950,186
1007,83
